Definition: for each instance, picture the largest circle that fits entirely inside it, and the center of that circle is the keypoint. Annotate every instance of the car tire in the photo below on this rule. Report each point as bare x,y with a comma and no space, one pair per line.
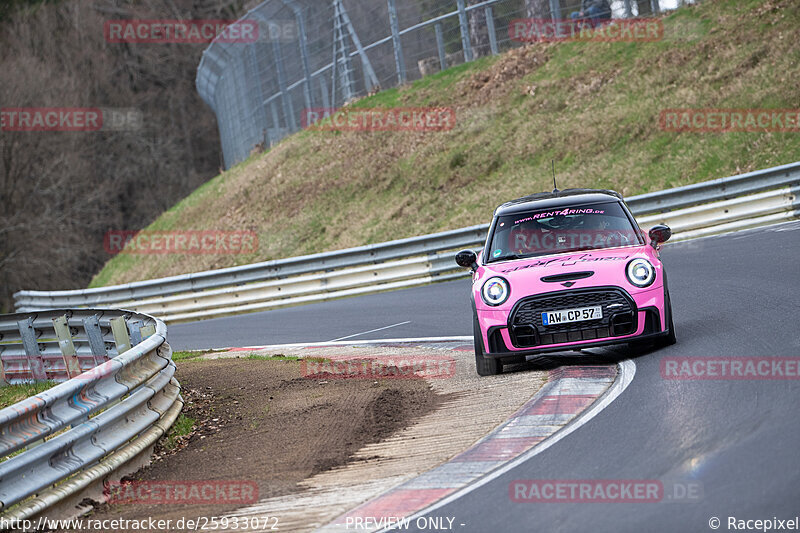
669,339
484,365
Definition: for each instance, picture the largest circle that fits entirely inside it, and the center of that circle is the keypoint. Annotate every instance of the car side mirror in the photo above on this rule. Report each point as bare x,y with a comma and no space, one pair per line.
467,259
659,234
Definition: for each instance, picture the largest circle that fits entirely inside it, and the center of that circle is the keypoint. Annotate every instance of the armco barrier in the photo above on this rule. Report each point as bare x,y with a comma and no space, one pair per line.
117,396
717,206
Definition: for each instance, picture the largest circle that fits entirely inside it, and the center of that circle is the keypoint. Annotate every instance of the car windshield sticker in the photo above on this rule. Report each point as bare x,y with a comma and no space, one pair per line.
568,261
563,212
498,253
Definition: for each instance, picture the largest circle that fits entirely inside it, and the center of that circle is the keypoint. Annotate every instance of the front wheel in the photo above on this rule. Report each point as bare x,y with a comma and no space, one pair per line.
484,365
670,338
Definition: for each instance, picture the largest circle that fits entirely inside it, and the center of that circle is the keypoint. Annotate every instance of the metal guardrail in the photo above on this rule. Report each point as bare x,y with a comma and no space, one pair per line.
270,270
717,206
117,396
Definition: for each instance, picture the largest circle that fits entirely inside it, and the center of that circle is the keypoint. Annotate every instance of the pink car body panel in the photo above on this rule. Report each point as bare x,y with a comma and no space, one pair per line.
524,279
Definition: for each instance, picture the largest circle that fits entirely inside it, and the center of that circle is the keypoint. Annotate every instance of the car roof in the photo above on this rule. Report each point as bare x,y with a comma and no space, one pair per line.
558,199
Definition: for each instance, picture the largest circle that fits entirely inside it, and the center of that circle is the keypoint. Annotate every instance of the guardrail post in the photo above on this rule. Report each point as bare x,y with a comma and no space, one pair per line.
43,439
71,363
399,61
31,345
3,380
440,45
462,20
121,337
492,32
92,327
135,328
148,331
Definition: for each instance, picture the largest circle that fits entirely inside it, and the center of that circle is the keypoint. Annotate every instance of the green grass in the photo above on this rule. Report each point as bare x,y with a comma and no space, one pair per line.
11,394
183,426
186,356
592,107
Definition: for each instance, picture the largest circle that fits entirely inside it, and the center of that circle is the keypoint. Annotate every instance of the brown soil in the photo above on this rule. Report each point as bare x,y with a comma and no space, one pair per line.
262,421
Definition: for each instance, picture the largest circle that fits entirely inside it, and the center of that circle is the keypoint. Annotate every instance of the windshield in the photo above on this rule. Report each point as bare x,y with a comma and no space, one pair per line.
536,233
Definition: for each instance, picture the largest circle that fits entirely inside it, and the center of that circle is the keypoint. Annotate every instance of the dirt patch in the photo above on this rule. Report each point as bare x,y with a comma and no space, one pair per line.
497,82
261,421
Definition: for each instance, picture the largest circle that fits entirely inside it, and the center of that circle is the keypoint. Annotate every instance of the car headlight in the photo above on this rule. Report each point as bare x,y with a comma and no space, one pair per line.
495,291
641,273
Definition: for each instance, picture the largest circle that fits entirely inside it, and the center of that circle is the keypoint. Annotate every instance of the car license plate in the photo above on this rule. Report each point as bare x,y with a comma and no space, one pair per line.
551,318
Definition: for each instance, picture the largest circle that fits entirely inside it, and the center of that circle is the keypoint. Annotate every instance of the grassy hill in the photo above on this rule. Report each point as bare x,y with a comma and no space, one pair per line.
592,107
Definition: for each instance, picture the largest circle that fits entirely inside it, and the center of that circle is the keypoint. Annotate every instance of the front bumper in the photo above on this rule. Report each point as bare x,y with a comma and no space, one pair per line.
520,333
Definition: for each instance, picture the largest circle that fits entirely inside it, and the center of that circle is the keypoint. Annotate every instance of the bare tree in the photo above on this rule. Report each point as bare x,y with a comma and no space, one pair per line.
478,32
60,192
537,9
645,8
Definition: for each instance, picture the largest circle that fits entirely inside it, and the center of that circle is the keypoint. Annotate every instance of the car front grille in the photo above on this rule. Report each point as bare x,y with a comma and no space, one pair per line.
527,330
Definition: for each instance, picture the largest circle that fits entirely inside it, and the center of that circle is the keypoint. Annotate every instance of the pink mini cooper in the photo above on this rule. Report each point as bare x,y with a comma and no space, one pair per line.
564,271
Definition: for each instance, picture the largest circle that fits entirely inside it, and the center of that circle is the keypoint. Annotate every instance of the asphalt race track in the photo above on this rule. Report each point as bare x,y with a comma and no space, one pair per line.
734,445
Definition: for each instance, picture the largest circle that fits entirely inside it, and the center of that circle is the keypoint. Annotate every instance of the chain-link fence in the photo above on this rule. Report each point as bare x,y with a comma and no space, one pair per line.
320,54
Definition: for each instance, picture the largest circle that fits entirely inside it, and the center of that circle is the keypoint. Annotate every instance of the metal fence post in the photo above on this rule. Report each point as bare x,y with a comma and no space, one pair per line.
303,43
492,32
341,56
323,87
369,73
440,46
276,118
462,20
555,10
286,98
253,71
399,61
